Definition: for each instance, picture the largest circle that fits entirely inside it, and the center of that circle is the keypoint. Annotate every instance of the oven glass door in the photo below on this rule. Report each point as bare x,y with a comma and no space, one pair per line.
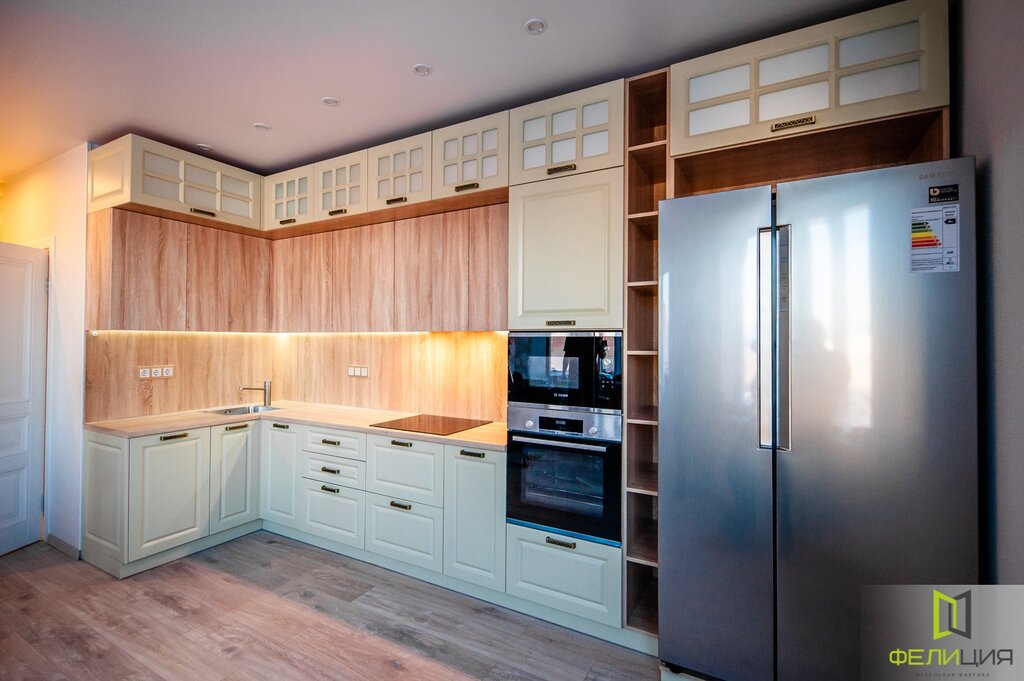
566,484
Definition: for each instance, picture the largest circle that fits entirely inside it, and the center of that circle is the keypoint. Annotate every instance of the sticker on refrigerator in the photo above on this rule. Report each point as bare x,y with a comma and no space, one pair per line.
935,239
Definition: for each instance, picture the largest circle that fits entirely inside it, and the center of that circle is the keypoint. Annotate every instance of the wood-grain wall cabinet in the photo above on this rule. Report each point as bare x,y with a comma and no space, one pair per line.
288,198
228,286
470,156
474,516
400,172
234,475
280,469
340,186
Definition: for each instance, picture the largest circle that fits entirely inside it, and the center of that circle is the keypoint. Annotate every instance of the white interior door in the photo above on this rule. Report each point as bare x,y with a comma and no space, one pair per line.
23,273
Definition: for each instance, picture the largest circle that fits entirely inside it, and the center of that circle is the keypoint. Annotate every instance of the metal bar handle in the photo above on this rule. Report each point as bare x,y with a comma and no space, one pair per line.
562,169
399,443
332,471
558,542
333,443
328,488
404,507
287,221
556,443
200,211
475,455
282,426
337,211
773,338
397,199
242,426
178,436
468,185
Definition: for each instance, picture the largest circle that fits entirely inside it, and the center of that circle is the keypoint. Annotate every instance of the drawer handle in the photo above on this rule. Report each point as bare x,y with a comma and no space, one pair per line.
328,488
558,542
399,443
337,211
560,322
562,169
164,438
239,427
330,442
469,185
404,507
475,455
282,426
332,471
200,211
397,199
286,222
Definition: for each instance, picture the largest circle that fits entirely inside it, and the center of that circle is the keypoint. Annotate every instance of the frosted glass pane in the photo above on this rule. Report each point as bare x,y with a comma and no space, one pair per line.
595,114
340,175
793,65
720,117
353,172
416,158
303,185
595,143
469,170
490,139
891,80
200,176
795,100
235,186
451,174
279,211
327,178
888,42
383,189
355,195
201,198
279,190
289,209
383,166
451,149
161,164
290,188
563,150
154,186
725,82
398,162
563,122
469,145
534,129
303,206
489,166
416,182
533,157
399,185
325,201
229,204
339,198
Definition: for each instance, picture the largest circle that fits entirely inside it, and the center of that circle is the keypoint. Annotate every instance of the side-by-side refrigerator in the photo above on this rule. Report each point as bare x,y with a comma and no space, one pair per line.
817,412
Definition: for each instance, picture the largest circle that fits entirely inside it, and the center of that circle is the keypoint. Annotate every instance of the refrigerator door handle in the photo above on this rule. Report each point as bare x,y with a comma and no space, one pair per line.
765,315
783,377
773,338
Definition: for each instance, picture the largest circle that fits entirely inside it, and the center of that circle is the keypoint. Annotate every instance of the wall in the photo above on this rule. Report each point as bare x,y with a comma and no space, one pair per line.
43,203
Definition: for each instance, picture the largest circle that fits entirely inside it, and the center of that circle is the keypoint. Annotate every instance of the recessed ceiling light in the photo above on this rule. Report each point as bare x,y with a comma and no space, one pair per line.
331,101
422,69
204,147
535,26
262,127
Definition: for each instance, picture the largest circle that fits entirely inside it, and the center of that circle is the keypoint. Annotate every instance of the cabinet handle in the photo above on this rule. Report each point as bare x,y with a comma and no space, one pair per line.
286,222
335,443
240,427
399,443
558,542
397,199
332,471
475,455
328,488
404,507
560,322
470,185
562,169
337,211
200,211
282,426
164,438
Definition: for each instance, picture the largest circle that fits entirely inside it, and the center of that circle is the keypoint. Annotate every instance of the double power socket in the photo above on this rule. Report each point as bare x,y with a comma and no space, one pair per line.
156,372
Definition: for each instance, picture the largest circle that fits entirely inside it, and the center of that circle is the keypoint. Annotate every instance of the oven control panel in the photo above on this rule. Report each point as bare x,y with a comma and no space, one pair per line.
584,424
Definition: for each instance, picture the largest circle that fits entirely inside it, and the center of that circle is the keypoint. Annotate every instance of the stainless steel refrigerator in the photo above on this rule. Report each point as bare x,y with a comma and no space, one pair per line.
817,413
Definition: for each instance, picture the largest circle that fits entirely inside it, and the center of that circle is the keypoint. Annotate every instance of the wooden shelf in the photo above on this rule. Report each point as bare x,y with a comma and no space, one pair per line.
647,283
642,387
643,215
653,421
642,529
647,108
660,144
642,597
642,463
646,172
642,353
642,317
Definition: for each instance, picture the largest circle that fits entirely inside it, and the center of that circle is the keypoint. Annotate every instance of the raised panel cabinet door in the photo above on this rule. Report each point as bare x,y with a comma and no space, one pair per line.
148,272
229,281
470,156
405,530
234,475
474,516
568,574
289,198
573,133
105,495
406,469
280,470
399,172
344,443
168,491
333,512
565,252
334,470
340,186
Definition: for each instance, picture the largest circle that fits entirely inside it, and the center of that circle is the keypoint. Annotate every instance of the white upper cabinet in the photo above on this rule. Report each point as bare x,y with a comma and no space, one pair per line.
887,61
133,169
471,156
573,133
399,172
288,198
341,186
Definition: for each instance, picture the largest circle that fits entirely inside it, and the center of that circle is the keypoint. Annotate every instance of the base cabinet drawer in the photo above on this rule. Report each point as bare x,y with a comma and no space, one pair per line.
405,469
334,470
334,442
332,511
579,577
404,530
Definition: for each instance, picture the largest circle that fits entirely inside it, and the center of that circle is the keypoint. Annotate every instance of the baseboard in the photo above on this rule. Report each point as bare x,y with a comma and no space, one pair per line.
65,547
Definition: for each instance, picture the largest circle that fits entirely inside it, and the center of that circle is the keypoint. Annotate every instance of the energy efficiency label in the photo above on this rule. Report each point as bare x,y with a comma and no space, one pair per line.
935,238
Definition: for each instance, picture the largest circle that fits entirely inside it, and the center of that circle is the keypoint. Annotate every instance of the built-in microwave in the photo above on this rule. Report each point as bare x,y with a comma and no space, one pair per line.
581,369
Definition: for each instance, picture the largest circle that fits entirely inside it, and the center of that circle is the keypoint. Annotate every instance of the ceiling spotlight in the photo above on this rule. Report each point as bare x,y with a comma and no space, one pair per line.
535,26
262,127
422,69
204,147
331,101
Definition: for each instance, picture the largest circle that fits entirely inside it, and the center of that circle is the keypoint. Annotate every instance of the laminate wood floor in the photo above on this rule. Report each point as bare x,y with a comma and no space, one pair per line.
266,607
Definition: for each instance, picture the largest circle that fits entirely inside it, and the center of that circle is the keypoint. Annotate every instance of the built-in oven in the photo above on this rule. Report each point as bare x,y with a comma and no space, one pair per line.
581,369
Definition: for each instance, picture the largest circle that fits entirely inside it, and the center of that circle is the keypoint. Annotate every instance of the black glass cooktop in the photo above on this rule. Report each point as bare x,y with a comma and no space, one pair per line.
431,423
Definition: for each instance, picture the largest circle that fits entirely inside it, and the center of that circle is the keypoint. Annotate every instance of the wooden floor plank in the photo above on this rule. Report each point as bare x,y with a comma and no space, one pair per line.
19,661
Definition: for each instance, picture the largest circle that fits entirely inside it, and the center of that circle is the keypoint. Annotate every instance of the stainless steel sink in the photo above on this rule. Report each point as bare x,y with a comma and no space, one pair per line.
244,409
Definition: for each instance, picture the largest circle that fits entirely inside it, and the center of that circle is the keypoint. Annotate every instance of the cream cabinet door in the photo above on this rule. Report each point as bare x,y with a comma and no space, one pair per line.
406,469
234,475
104,495
573,133
280,470
576,576
288,198
332,512
471,156
168,491
404,530
334,470
345,443
341,187
474,516
400,172
565,252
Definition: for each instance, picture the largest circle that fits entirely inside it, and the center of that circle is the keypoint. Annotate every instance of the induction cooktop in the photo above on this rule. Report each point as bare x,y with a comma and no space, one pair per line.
431,423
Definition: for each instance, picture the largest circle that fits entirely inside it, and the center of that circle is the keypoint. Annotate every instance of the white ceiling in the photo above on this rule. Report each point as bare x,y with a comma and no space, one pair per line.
202,71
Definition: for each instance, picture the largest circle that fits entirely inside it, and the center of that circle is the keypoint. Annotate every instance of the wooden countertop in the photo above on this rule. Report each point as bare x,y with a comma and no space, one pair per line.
490,436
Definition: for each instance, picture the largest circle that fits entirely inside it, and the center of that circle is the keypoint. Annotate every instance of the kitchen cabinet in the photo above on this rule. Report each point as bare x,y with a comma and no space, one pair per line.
470,156
407,469
405,530
168,491
133,169
565,252
574,133
334,470
333,442
474,516
234,475
288,198
280,469
105,497
399,172
341,187
332,511
576,576
228,283
883,62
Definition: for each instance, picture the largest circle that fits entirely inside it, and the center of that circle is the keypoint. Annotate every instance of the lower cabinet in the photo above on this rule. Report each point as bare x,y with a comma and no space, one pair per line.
474,516
234,475
572,575
332,511
406,469
280,468
407,531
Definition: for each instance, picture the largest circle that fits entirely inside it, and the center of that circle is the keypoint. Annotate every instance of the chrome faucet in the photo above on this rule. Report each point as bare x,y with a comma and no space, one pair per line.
265,389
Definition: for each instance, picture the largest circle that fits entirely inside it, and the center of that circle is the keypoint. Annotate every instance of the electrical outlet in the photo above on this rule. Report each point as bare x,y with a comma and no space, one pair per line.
156,372
364,371
143,372
168,372
351,371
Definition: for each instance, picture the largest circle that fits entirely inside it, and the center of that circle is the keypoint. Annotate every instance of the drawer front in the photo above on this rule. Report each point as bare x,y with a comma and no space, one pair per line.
332,512
334,442
404,530
579,577
334,470
405,469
